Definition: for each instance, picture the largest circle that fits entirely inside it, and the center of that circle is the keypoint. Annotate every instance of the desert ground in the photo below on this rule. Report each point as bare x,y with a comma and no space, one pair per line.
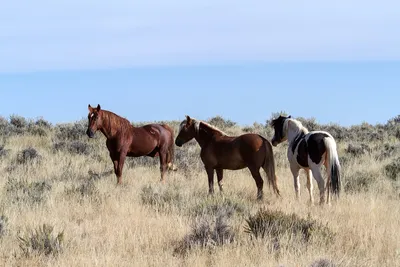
60,205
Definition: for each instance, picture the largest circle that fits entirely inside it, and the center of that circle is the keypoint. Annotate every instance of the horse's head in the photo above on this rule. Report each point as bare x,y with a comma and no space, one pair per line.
280,133
94,118
187,131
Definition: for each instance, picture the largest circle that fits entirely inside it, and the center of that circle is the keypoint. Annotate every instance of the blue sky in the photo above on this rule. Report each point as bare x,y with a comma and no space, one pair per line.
159,60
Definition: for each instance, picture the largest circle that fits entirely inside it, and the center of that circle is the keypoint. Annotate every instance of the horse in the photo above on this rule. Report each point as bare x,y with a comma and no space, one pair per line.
220,151
123,139
309,151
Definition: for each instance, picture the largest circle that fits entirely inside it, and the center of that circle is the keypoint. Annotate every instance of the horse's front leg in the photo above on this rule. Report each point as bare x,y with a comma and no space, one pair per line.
118,160
163,163
210,174
220,176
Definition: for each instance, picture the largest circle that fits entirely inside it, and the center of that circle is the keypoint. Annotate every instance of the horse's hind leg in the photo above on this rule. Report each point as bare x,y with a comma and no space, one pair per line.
220,176
295,172
310,185
255,172
328,183
316,172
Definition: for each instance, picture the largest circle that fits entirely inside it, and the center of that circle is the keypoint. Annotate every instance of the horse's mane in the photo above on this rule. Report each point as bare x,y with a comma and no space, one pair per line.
295,126
212,127
111,116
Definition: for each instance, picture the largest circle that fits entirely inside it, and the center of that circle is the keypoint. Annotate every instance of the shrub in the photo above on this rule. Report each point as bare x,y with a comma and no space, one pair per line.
28,155
86,190
42,241
276,224
74,147
221,123
4,152
360,181
388,150
43,123
207,233
323,263
30,193
311,123
18,121
358,150
214,206
71,131
37,130
161,197
392,170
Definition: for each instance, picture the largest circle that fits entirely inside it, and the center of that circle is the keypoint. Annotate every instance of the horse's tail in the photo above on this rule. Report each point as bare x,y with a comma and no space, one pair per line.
269,166
333,166
171,148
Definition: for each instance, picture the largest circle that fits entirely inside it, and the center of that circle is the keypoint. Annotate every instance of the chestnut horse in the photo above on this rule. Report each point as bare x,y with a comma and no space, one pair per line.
219,152
123,139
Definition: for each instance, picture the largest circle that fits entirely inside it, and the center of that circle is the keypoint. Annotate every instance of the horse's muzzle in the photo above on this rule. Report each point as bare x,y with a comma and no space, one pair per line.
90,133
178,143
274,142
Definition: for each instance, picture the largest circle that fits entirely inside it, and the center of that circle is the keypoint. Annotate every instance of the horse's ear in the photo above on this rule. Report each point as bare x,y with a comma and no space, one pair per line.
290,116
188,119
98,107
90,108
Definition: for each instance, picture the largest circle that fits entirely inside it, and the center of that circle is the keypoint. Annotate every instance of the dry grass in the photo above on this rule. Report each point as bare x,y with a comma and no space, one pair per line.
144,222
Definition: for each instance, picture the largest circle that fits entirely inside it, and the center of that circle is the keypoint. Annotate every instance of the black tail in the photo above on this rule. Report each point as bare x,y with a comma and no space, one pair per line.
269,166
335,178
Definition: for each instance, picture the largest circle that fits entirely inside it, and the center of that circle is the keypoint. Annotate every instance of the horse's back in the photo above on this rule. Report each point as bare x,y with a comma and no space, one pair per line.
237,152
162,132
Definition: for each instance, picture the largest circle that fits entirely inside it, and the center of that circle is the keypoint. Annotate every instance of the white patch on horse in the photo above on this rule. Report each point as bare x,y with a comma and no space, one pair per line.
91,115
292,129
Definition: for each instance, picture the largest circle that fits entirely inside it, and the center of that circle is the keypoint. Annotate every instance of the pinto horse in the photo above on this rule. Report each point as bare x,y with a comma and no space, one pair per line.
123,139
219,152
309,151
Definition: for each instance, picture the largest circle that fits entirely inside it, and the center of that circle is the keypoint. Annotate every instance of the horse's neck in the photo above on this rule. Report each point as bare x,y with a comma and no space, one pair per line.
295,132
108,128
205,134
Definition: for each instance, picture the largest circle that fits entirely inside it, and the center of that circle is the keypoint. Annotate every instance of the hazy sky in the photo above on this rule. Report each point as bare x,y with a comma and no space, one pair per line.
337,61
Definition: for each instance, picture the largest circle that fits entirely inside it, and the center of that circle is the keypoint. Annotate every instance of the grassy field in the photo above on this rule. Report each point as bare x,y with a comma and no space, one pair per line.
60,206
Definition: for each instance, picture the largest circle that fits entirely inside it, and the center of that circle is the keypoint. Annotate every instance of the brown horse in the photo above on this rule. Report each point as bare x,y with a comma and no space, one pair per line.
219,152
123,139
